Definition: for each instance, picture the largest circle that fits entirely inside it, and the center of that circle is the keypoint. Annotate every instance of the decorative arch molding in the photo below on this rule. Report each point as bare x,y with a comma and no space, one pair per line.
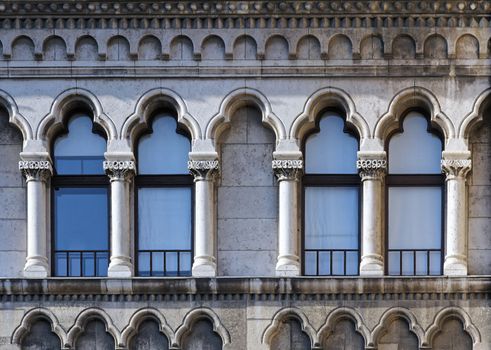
482,102
389,316
195,315
69,99
33,315
239,98
329,97
81,322
137,319
413,97
152,100
343,313
15,118
446,313
283,314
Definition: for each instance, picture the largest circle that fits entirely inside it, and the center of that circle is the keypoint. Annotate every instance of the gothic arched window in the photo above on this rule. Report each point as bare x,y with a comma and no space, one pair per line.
164,195
415,200
80,240
331,200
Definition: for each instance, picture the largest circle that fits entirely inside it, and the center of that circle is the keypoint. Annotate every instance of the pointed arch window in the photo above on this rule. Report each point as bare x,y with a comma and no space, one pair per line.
415,199
164,197
80,243
331,200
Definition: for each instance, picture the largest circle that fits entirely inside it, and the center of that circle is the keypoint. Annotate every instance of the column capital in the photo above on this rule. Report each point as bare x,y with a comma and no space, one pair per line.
287,169
456,168
120,170
371,168
203,170
36,170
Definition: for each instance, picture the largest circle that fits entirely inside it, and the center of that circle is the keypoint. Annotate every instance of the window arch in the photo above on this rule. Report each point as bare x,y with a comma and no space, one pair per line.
40,336
164,200
80,243
331,199
415,199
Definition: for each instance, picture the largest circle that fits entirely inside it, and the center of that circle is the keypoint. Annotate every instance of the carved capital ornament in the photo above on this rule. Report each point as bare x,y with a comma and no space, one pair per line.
372,168
36,170
120,170
203,169
456,168
287,169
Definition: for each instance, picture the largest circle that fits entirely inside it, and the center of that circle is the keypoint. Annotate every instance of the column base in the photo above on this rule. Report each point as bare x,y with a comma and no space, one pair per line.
288,266
36,267
204,266
120,267
372,265
455,265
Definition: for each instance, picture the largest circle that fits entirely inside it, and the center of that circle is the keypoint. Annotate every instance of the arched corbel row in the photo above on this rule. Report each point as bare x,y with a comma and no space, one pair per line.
446,313
142,315
329,97
389,316
283,314
239,98
344,313
413,97
195,315
149,103
482,102
30,317
15,118
84,317
69,99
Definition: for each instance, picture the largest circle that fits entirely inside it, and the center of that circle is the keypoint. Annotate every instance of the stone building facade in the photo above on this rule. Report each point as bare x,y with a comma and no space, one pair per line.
248,83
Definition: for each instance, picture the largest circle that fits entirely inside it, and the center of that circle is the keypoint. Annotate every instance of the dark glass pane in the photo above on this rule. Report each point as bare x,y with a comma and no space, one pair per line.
81,218
331,217
352,263
185,263
74,263
144,264
408,263
102,263
331,150
158,264
310,263
80,151
164,151
61,264
415,151
324,263
171,263
164,218
435,263
201,337
394,263
95,337
40,337
149,337
88,264
421,263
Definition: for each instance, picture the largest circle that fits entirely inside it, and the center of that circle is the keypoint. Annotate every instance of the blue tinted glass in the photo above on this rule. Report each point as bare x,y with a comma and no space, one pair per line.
81,218
80,151
164,219
164,151
331,217
415,151
331,150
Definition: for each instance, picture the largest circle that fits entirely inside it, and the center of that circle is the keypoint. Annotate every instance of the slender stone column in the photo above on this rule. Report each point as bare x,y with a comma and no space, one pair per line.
204,172
121,174
37,174
372,172
288,173
456,171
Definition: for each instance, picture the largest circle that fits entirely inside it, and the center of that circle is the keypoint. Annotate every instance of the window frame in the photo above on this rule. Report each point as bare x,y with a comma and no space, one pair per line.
326,181
414,180
162,181
77,181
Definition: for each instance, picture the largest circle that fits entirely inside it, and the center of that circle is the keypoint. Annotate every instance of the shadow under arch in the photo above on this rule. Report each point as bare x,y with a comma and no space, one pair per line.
476,116
240,98
342,313
33,315
8,103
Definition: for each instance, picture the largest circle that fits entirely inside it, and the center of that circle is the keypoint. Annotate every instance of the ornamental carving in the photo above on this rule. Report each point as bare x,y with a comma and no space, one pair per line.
456,167
371,168
203,169
36,170
120,170
287,169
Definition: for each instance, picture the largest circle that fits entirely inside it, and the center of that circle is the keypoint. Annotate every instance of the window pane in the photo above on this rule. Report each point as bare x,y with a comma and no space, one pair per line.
164,151
80,151
331,217
415,217
310,263
81,218
415,151
164,218
331,150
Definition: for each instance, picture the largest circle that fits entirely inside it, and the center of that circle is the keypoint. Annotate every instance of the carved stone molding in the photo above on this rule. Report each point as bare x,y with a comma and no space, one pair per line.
287,169
120,170
36,170
456,168
203,169
371,168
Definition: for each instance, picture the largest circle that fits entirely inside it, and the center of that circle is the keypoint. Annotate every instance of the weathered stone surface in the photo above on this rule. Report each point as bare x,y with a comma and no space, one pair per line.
452,336
246,262
95,337
247,234
13,203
